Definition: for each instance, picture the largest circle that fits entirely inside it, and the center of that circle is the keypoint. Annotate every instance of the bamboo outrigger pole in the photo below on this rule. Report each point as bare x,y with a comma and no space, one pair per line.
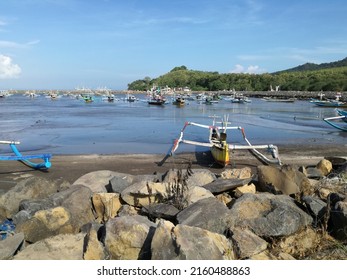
26,159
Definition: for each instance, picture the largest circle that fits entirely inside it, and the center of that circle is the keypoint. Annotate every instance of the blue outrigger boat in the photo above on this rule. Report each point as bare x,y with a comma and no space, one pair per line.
27,159
342,115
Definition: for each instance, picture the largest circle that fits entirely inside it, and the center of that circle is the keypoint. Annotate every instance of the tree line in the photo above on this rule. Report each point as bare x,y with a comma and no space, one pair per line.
330,79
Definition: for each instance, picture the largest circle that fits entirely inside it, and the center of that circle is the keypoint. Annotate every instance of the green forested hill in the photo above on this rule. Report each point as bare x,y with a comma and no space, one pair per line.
313,66
308,77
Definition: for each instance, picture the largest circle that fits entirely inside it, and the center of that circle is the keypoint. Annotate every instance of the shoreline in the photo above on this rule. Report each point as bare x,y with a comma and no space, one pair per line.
71,167
284,94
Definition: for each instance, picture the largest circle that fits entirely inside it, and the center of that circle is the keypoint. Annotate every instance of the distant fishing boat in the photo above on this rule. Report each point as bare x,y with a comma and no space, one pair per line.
179,101
29,160
4,93
329,102
157,100
273,99
240,98
130,98
53,96
110,98
156,97
31,94
208,100
87,98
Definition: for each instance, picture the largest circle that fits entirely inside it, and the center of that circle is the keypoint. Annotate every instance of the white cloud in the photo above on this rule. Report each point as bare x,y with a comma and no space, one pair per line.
8,69
252,69
15,45
238,69
9,44
3,24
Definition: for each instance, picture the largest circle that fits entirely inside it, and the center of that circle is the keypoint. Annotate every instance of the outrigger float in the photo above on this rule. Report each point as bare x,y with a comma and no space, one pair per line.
217,142
342,115
27,159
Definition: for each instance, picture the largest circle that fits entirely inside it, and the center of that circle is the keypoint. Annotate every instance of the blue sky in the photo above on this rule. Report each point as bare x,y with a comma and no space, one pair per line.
62,44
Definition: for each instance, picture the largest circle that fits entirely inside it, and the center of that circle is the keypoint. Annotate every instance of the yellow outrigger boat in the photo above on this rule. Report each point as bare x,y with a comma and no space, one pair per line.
219,147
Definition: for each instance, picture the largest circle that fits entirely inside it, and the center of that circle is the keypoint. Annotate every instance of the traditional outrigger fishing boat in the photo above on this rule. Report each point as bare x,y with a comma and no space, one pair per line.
342,115
87,98
217,142
329,102
155,96
179,101
27,159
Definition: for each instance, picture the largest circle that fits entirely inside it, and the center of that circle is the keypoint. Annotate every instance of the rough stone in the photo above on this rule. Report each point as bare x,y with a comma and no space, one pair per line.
97,181
247,243
129,237
46,223
207,213
325,166
106,205
10,245
30,188
189,243
269,215
59,247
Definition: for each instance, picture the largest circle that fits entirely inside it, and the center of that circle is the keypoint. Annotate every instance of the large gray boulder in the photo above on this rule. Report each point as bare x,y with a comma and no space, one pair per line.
73,211
30,188
269,215
79,204
184,242
284,180
223,185
120,181
129,237
59,247
47,223
144,193
208,213
97,181
192,178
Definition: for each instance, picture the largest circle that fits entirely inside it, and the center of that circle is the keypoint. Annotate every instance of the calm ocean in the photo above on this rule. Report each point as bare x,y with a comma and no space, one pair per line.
70,126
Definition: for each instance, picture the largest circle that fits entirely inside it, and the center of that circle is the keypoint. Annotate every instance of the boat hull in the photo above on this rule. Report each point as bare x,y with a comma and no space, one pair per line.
343,128
330,104
221,154
156,101
343,113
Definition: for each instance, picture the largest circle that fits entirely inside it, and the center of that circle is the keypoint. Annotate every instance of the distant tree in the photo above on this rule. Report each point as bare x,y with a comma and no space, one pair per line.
326,79
141,85
179,68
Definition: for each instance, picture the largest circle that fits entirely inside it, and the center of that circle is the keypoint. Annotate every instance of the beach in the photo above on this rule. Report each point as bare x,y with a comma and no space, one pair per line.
71,167
132,137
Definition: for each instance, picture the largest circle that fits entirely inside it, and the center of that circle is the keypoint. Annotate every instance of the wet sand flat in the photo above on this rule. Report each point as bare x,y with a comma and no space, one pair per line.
71,167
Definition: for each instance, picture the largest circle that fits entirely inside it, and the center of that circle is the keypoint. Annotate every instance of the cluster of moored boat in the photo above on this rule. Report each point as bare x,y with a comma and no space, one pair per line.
217,140
157,96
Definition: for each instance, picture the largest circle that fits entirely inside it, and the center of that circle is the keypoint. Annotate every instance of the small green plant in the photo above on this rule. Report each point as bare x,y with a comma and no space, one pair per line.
178,190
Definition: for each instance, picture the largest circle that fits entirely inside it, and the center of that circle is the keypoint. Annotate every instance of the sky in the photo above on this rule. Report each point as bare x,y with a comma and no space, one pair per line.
64,44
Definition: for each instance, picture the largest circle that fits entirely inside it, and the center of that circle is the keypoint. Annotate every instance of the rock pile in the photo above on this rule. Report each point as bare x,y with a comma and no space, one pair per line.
286,212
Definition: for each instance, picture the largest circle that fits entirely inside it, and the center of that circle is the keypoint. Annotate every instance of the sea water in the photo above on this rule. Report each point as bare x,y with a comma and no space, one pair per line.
68,125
